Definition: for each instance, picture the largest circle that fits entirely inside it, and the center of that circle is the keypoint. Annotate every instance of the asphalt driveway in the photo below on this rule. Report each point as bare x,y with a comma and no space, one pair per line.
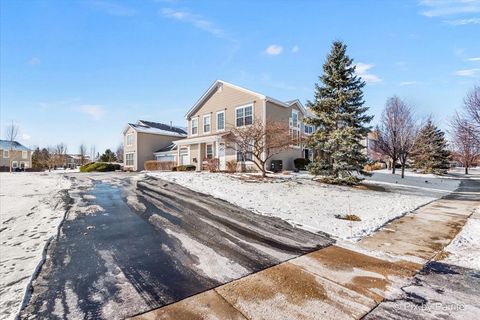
131,244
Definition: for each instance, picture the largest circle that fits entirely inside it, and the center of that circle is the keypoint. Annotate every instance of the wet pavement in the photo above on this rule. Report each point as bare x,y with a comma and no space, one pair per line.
130,245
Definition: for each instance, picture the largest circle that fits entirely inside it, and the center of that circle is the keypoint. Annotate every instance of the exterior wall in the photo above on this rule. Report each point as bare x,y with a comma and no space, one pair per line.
226,99
147,144
15,155
130,149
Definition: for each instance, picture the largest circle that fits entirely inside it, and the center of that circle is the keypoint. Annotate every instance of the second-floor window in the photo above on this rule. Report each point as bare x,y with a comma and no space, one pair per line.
294,121
207,123
244,116
308,129
130,139
6,154
220,120
24,154
195,126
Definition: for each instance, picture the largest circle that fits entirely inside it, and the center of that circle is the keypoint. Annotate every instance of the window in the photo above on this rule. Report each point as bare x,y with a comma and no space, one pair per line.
220,120
308,129
14,164
207,122
209,151
295,135
241,158
129,159
5,153
24,154
294,120
194,126
130,139
244,115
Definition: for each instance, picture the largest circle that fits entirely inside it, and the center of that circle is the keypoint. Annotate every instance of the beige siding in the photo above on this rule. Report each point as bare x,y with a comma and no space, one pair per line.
226,99
130,149
16,156
147,144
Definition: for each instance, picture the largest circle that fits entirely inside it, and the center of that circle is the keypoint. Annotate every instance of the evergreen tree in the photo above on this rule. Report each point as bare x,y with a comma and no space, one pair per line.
430,152
108,156
340,117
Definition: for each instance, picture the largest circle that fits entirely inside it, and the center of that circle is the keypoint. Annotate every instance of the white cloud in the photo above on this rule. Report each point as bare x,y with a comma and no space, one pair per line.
25,136
474,59
113,9
195,20
295,49
34,61
96,112
443,8
273,50
361,69
467,72
463,22
408,83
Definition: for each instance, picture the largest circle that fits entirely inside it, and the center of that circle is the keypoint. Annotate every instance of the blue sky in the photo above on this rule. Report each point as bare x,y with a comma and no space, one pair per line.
78,71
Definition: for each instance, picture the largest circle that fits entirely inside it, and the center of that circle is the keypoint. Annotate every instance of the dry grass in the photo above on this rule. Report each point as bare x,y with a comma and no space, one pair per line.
349,217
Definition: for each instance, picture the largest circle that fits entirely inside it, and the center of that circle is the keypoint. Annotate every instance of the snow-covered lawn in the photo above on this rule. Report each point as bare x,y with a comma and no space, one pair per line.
313,206
464,250
29,215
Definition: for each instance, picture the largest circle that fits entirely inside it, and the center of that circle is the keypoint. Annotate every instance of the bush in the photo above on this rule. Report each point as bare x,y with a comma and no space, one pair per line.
159,165
100,167
301,163
346,181
374,166
231,166
188,167
349,217
213,165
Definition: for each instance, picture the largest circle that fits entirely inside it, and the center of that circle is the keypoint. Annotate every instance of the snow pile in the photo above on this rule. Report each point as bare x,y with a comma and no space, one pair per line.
31,210
312,205
464,250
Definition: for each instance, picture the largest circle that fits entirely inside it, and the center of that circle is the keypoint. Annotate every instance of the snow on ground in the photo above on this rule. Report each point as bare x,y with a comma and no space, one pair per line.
30,215
313,206
464,250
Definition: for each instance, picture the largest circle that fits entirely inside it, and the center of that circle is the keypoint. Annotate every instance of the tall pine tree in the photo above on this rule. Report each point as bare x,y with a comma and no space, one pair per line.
430,152
340,117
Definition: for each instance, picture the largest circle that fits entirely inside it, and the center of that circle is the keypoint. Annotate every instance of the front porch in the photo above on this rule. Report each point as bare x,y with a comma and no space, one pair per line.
202,151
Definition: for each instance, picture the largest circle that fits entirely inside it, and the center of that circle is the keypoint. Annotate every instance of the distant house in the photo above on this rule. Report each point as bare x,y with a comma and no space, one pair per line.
72,161
147,140
15,154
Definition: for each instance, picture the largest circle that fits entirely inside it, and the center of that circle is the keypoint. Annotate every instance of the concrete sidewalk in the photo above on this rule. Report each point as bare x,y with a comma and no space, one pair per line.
336,282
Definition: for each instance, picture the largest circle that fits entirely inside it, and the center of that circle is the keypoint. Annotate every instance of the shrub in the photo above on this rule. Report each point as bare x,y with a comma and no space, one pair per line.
349,217
159,165
374,166
231,166
188,167
301,163
346,181
100,167
212,165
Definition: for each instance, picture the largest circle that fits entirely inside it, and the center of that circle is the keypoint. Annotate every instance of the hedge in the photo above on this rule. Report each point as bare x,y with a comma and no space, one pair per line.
188,167
301,163
100,167
159,165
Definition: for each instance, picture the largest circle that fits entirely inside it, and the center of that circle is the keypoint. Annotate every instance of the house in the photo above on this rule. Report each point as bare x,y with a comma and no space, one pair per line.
145,140
72,161
225,105
15,154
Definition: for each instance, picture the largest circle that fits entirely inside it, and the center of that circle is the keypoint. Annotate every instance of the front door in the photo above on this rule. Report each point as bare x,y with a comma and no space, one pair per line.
221,156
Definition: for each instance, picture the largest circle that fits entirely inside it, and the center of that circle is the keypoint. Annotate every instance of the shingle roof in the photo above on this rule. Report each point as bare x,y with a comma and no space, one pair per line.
163,126
14,145
170,147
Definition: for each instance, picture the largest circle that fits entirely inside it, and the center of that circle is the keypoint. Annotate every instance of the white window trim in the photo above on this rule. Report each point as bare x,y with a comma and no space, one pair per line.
245,106
203,127
14,164
216,120
24,154
297,127
213,150
191,126
6,154
129,144
133,159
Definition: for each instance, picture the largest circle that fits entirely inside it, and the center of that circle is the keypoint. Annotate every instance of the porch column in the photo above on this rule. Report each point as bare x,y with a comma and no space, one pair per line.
199,160
178,155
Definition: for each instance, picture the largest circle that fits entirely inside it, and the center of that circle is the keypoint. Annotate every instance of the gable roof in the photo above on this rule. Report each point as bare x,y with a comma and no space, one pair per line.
217,83
157,128
13,145
172,146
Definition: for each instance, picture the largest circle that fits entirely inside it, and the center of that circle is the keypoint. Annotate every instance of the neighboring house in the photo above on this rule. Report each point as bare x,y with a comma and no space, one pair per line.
15,154
225,105
146,140
72,161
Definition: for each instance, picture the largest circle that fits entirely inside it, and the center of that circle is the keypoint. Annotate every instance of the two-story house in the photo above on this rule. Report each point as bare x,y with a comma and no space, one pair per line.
13,153
225,105
142,140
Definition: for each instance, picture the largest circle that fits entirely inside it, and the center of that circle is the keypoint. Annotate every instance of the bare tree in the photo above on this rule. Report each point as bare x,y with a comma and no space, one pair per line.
471,104
93,152
61,154
466,148
83,152
119,152
11,134
52,159
396,132
261,141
